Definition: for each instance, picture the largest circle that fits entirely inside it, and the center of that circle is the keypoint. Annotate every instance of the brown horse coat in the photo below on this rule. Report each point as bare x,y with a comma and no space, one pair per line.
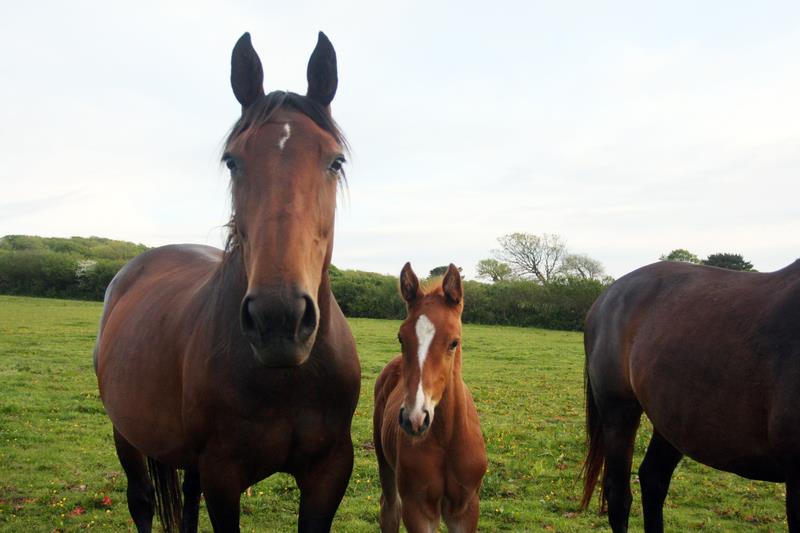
712,357
235,365
433,467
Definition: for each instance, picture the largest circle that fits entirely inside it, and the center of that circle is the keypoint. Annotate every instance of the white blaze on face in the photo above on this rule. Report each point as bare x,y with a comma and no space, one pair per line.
287,132
425,331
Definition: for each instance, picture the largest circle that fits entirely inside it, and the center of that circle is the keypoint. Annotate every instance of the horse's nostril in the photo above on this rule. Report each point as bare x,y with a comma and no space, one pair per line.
248,323
427,421
308,322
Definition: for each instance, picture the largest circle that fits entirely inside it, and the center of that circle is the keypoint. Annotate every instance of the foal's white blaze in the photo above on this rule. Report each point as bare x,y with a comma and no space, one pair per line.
287,132
425,332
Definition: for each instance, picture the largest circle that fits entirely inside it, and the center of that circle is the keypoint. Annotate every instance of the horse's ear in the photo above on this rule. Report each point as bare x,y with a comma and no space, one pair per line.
247,76
321,72
451,285
409,285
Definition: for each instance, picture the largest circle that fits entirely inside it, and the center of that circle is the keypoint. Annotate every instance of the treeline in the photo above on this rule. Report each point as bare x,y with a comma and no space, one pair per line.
561,304
81,268
76,268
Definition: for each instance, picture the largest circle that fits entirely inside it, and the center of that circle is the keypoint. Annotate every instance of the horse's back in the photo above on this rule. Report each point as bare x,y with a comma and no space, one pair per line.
692,345
151,308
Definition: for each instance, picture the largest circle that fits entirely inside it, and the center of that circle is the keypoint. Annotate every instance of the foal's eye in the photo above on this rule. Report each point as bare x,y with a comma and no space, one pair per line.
453,345
336,165
400,340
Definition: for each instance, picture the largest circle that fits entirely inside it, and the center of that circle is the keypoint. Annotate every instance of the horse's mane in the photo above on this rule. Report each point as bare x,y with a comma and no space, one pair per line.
432,286
259,113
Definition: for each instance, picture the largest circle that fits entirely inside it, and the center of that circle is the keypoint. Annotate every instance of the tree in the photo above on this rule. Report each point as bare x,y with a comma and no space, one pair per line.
729,261
531,256
494,270
680,254
584,267
438,271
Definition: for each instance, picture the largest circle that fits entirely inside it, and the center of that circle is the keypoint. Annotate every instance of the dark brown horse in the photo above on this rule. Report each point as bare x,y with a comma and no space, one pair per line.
428,440
235,365
712,357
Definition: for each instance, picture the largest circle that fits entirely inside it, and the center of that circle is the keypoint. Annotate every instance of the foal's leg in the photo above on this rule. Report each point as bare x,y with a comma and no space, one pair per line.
140,490
465,520
620,422
390,500
191,501
322,485
655,474
420,516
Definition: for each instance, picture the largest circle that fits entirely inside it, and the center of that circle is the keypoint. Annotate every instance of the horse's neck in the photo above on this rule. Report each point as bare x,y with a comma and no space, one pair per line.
324,302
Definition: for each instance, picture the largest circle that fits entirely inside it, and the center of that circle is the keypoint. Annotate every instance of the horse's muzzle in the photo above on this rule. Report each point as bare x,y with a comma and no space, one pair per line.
280,324
414,425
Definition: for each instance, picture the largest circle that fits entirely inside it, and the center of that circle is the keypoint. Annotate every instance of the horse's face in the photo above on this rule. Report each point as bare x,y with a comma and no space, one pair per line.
431,342
285,172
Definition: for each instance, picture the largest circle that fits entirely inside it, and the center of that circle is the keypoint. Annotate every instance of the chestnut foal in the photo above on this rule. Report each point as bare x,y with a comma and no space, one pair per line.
431,453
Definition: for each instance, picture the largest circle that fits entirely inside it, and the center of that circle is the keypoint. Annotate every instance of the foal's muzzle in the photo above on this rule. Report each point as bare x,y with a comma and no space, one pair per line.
415,424
280,324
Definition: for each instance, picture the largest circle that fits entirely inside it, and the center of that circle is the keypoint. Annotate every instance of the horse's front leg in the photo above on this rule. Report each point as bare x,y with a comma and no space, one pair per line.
322,484
222,486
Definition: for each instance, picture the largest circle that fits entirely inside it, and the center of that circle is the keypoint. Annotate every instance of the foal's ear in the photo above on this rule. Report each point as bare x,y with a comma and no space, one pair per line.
409,285
321,72
247,76
451,285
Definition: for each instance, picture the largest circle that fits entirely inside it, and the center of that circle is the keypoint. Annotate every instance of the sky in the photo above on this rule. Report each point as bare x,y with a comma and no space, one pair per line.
627,128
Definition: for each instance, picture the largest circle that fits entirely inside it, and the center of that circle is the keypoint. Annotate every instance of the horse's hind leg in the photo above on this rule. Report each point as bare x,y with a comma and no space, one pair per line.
620,422
140,490
191,501
655,474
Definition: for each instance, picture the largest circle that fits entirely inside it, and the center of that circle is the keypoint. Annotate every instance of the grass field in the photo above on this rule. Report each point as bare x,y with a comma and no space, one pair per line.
58,471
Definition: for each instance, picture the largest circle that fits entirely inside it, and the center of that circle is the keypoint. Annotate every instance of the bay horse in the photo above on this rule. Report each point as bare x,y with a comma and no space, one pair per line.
712,357
428,440
235,365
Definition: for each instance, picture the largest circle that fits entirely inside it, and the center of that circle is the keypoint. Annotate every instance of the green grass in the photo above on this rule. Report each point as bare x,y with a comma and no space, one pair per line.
57,461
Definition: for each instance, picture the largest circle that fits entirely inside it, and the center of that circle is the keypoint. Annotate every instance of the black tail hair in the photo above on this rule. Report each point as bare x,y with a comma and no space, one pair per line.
169,504
594,466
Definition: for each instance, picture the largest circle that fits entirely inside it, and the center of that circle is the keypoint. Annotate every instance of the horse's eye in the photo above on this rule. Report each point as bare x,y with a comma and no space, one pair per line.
231,164
400,340
453,345
336,164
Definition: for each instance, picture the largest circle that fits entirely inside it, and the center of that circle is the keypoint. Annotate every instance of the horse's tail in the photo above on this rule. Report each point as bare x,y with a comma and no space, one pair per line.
167,484
594,465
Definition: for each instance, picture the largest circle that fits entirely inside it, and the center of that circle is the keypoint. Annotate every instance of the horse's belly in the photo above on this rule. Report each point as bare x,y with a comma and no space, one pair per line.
141,390
727,435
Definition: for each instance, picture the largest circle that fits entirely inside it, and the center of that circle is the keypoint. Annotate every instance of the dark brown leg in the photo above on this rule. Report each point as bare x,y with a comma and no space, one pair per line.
322,485
620,423
140,490
222,486
655,474
191,501
793,503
